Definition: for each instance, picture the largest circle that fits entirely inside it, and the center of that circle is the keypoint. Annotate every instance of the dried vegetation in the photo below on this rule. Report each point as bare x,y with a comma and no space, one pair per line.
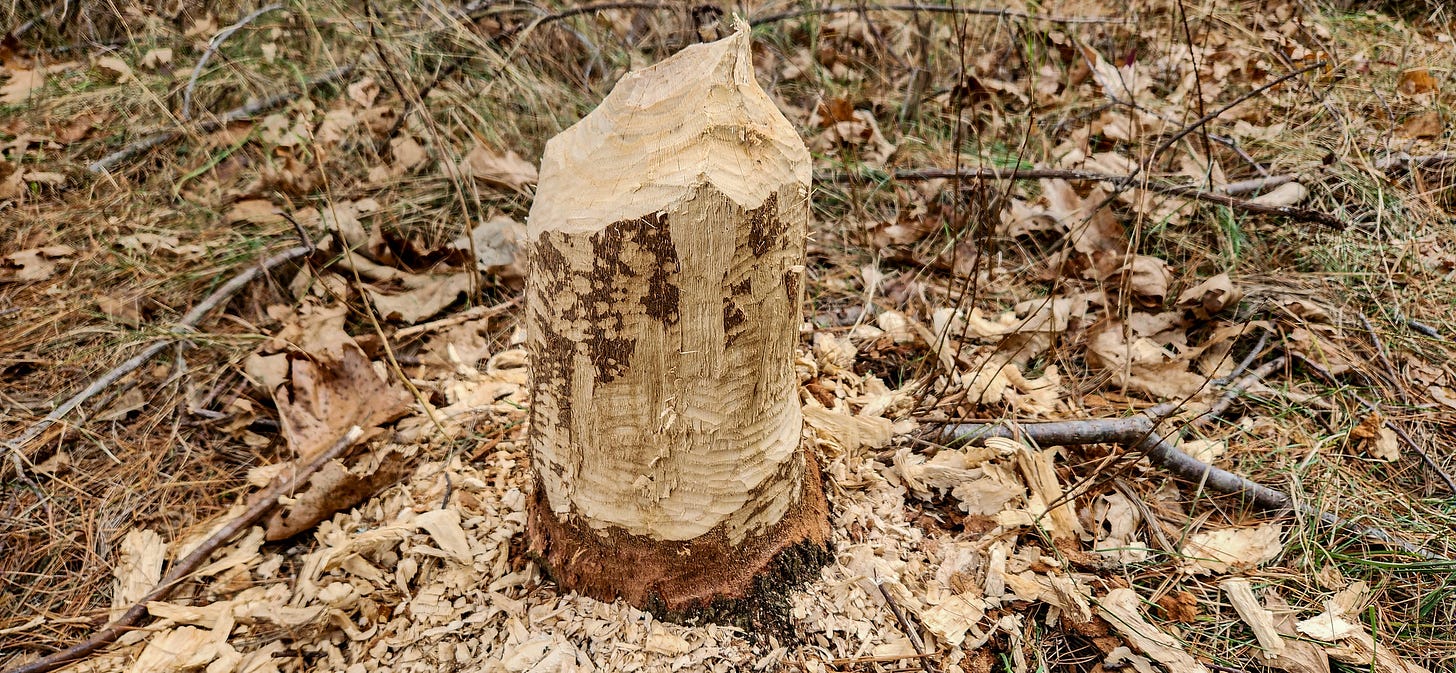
395,141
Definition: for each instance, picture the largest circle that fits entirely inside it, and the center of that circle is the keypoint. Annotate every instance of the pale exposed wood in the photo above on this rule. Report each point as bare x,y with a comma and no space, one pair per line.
1260,621
1120,609
663,302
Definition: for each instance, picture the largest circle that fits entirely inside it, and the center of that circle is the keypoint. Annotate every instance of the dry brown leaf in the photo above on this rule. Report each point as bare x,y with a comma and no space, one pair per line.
313,329
117,67
1208,298
255,211
1221,550
1142,364
1179,606
1148,279
1298,655
155,58
508,171
1116,521
334,488
126,311
1421,125
408,154
1353,644
496,242
1414,82
35,264
203,27
327,396
427,296
1384,446
21,84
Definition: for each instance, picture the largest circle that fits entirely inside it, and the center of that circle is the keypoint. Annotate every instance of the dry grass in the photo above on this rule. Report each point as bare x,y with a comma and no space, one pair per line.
164,449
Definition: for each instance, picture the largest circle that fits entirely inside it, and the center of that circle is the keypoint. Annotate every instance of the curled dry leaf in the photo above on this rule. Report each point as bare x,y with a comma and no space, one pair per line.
507,171
1210,297
1140,363
428,296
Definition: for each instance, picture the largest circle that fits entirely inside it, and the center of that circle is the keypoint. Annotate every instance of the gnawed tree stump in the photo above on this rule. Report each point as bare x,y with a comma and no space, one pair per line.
663,308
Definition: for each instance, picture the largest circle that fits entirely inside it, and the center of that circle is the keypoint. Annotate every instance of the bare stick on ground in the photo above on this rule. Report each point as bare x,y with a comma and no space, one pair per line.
1161,187
264,503
1140,434
212,48
240,113
940,9
187,324
662,312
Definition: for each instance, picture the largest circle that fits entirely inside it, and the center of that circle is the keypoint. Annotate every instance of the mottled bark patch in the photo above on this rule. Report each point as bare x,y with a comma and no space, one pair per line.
765,227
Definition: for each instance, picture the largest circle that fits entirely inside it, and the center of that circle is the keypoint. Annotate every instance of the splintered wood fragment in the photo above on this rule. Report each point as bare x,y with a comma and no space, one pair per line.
1260,621
1120,609
666,271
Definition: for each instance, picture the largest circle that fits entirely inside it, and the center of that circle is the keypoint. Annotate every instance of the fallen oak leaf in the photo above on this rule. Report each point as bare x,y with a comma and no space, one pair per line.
325,396
508,171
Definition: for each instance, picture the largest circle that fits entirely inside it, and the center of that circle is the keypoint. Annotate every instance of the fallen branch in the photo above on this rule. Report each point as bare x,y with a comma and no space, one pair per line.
212,48
1140,434
188,323
265,502
1183,191
1257,184
937,9
247,111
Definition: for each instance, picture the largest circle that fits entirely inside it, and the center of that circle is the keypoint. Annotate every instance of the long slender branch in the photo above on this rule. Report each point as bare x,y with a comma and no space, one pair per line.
266,501
188,323
1183,191
212,48
240,113
939,9
1139,433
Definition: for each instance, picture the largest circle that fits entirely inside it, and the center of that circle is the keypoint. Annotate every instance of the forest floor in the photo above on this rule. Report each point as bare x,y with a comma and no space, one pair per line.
1052,212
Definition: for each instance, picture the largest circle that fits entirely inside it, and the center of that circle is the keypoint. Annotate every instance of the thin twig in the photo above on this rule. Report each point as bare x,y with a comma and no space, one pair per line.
212,48
1256,184
909,629
1139,433
264,503
185,326
939,9
1237,388
109,161
1183,191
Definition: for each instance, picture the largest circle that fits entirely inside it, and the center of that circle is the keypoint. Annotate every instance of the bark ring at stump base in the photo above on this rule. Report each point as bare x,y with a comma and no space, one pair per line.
743,585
